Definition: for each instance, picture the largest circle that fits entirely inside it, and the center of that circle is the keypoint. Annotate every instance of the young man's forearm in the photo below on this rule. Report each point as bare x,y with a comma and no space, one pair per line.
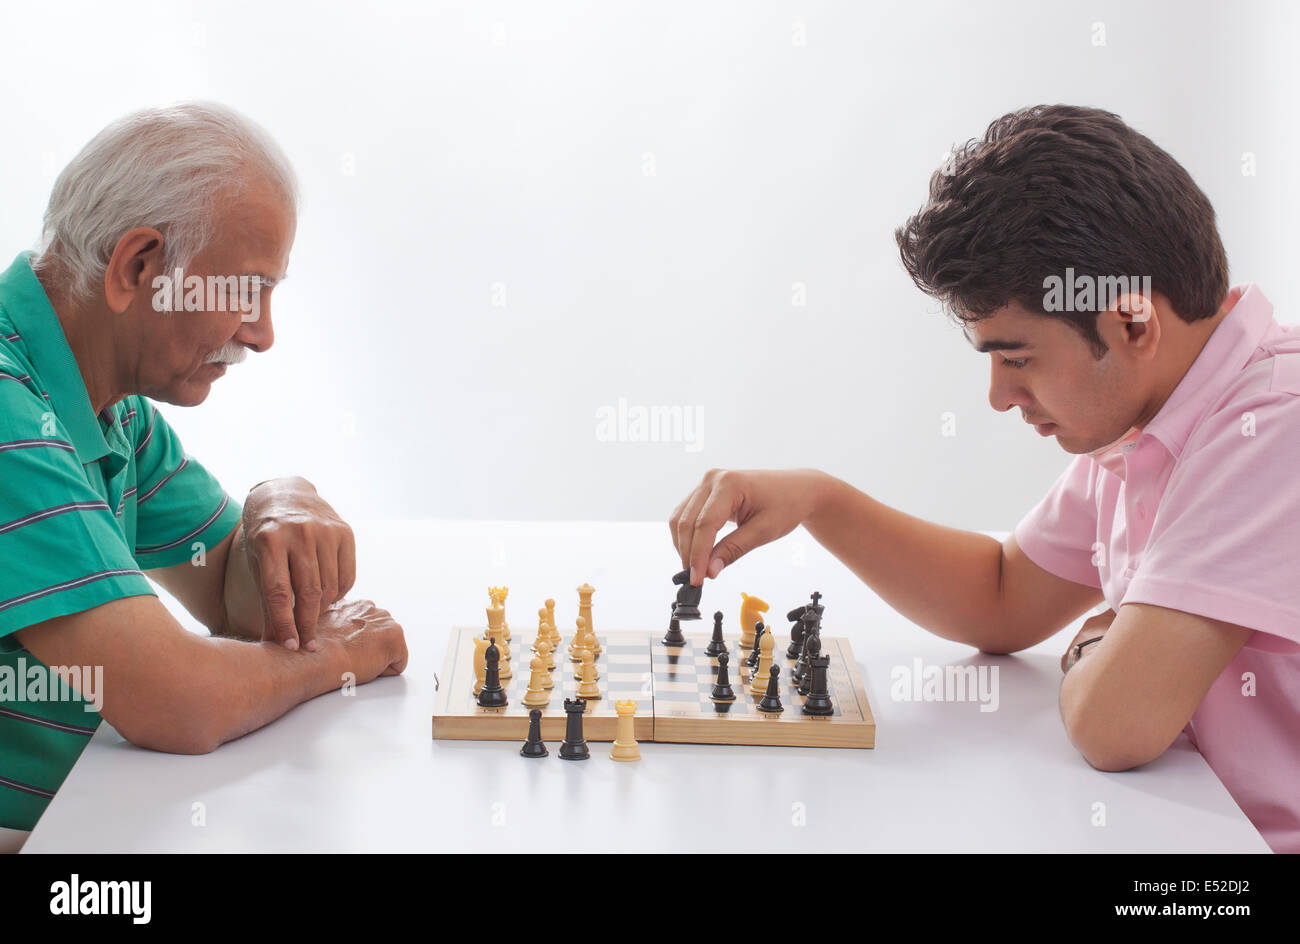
943,579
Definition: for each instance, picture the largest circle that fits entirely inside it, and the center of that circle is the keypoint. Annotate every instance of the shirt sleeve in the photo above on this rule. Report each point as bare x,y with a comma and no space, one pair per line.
1224,541
179,504
1060,533
61,550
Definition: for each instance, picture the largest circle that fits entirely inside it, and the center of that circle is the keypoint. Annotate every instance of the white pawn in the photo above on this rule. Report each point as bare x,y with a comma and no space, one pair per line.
536,695
548,662
579,640
589,689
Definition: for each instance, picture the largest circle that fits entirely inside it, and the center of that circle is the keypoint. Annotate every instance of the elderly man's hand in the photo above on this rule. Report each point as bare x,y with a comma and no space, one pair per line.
301,555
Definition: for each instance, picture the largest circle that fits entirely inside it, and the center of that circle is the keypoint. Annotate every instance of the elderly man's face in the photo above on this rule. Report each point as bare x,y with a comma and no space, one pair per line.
185,350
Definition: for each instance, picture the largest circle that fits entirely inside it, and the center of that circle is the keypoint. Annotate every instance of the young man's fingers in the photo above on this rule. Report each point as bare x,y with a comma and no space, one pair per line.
714,513
686,523
755,532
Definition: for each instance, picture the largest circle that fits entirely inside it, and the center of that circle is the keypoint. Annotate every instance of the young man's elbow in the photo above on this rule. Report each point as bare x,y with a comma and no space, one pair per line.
1113,752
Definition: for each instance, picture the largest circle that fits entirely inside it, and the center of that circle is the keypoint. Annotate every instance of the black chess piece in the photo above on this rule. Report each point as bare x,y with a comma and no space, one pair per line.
688,597
534,746
493,694
674,635
771,700
722,690
574,745
796,637
752,659
802,677
818,701
717,645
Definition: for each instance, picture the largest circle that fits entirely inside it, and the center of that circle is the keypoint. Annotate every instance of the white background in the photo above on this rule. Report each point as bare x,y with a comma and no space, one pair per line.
446,148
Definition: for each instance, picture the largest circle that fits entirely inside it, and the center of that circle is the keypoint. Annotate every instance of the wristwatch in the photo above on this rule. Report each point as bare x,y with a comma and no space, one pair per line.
1076,651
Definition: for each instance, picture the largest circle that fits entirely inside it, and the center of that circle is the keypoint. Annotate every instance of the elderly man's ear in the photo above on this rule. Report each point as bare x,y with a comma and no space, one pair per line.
137,259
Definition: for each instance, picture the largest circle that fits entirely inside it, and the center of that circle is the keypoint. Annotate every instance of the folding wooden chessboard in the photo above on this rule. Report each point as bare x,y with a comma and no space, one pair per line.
671,686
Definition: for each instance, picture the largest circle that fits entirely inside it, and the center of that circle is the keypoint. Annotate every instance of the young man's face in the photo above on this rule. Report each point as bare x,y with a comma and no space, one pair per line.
1043,367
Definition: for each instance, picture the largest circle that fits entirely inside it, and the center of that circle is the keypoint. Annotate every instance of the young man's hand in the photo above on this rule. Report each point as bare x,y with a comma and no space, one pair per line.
1093,628
764,505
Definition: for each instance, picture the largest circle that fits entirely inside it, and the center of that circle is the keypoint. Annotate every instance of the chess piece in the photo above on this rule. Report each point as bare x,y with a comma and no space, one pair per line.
722,690
536,695
818,701
480,662
751,611
574,745
752,659
717,645
496,616
584,610
687,606
796,632
766,643
800,672
771,701
625,746
550,621
588,688
544,650
812,648
579,641
498,595
674,635
492,695
534,746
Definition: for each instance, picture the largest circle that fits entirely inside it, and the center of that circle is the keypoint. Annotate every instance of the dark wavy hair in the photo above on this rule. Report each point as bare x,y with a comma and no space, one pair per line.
1057,186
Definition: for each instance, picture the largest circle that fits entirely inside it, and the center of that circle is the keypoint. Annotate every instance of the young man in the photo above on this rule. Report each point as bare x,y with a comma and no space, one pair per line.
1085,261
98,491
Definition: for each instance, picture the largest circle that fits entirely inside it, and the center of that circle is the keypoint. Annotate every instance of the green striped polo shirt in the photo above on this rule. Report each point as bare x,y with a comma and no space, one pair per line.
87,503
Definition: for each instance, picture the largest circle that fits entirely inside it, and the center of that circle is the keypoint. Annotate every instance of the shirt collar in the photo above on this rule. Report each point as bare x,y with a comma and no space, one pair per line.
29,310
1224,356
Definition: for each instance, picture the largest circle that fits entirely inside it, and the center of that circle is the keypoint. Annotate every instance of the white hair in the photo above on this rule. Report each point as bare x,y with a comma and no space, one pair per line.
160,167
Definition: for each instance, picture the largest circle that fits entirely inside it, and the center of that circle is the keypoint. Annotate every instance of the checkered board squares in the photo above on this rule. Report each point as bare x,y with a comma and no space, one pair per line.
671,687
622,666
683,680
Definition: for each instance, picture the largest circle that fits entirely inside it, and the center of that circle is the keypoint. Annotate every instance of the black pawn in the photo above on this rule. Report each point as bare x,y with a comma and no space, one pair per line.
533,747
717,645
752,660
812,648
722,690
674,636
493,695
574,745
771,700
818,701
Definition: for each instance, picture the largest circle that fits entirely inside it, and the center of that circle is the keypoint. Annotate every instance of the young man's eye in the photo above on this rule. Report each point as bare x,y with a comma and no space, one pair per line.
1013,363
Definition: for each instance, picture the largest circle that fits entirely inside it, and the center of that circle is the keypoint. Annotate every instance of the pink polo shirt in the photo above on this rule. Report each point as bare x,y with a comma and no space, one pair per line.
1200,512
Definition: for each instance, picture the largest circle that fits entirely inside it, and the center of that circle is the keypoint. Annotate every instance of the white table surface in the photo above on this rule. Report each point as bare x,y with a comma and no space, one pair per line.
363,773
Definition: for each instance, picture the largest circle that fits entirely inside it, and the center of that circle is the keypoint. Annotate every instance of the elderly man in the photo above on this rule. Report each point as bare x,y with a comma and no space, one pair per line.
168,208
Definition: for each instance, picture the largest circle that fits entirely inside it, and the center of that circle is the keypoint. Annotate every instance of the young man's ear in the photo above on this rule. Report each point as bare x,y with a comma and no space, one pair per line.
1140,320
137,259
